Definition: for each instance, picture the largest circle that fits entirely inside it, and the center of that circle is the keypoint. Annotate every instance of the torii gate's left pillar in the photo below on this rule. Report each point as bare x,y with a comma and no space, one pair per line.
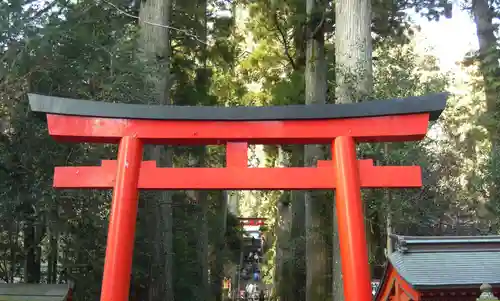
122,222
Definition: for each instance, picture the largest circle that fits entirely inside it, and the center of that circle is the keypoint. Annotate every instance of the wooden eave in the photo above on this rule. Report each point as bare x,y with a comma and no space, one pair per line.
393,285
458,291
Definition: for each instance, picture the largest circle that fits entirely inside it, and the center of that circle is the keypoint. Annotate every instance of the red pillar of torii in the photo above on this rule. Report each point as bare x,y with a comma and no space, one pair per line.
342,126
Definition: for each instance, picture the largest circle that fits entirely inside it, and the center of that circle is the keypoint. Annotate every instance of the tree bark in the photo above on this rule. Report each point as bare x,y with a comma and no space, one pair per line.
31,244
318,271
53,237
31,275
354,79
203,85
13,246
297,209
353,51
490,71
298,235
297,231
284,255
218,263
154,50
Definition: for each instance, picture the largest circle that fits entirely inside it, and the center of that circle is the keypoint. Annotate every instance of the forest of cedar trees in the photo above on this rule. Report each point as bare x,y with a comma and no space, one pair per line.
232,53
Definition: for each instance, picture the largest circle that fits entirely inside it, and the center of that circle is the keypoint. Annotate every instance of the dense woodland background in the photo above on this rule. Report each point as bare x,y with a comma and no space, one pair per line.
226,53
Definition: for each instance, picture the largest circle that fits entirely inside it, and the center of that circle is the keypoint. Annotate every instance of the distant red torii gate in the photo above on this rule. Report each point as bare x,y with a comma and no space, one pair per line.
132,126
252,221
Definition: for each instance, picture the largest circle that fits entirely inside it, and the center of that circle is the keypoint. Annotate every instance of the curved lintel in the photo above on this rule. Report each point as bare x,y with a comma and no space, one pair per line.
433,104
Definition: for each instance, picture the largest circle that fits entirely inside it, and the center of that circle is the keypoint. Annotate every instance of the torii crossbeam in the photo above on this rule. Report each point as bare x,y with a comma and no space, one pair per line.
342,126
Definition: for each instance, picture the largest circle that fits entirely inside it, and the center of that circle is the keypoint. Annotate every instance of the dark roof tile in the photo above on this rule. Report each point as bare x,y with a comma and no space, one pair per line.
447,261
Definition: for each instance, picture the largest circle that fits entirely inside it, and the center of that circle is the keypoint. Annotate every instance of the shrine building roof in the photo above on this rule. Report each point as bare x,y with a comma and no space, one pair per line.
32,291
447,261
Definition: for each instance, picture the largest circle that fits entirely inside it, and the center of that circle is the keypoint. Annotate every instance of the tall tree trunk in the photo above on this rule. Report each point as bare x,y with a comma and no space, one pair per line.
154,50
33,252
218,242
53,236
203,287
284,259
354,78
52,257
353,51
30,272
200,289
13,246
490,71
298,234
31,245
297,231
318,281
201,197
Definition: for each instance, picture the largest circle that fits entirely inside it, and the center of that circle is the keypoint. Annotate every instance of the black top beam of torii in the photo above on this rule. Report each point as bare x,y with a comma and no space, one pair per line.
432,103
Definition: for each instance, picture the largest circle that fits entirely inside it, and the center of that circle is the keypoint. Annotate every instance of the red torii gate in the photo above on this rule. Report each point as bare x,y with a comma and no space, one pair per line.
252,221
132,126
